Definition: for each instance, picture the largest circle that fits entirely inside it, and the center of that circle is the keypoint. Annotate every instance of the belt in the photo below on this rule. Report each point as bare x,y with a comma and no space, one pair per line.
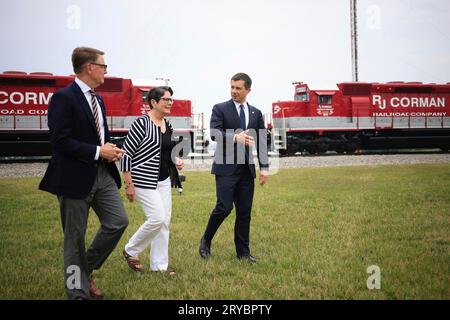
100,162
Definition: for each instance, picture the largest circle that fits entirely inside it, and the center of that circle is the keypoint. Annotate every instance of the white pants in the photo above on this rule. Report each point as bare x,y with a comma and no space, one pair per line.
157,205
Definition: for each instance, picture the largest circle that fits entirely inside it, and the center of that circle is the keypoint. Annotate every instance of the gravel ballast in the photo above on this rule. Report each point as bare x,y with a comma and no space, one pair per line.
17,170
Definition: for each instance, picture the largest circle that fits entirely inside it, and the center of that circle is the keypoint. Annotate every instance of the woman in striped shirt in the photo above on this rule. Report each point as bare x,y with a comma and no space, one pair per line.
149,173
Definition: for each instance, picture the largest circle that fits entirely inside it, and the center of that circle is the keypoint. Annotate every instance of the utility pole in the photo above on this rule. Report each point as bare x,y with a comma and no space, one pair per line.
354,35
165,80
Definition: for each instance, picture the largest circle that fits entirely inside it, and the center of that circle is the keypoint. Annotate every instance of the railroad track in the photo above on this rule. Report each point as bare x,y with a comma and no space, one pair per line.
31,159
27,159
366,152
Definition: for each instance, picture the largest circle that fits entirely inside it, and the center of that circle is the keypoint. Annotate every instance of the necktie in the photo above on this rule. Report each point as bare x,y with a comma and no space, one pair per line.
95,113
242,116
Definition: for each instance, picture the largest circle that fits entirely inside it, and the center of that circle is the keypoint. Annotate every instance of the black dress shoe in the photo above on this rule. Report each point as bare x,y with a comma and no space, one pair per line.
247,257
205,249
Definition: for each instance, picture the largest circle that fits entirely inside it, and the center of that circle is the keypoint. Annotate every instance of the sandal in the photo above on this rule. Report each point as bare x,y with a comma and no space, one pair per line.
133,262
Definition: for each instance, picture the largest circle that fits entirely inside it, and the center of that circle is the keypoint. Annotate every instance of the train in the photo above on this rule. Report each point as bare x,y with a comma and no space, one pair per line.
24,99
362,116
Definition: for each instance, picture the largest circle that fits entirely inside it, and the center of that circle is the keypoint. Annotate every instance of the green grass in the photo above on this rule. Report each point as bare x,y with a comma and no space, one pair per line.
314,230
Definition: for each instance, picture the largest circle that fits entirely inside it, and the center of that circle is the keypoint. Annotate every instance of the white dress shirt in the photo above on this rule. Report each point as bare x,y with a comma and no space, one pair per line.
85,89
238,109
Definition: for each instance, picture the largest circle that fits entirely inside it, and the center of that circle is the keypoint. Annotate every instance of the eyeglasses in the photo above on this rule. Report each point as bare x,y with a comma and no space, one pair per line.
167,99
105,66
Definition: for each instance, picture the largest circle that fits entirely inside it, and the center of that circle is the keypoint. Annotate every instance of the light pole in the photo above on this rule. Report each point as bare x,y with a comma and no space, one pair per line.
354,35
165,80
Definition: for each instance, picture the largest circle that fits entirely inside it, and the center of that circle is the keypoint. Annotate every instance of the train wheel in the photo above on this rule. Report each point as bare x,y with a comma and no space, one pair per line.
351,147
322,148
340,148
311,149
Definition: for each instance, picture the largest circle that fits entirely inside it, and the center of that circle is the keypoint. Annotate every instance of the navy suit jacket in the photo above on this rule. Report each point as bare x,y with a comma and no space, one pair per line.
224,124
73,135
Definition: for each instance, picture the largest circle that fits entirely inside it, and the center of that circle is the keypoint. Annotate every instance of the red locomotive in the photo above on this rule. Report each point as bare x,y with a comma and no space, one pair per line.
24,102
391,115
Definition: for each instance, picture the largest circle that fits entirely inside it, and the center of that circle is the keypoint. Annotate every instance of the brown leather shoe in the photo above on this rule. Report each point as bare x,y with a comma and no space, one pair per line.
95,292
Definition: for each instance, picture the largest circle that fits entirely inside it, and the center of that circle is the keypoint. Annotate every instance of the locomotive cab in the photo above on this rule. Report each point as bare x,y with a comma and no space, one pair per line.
301,92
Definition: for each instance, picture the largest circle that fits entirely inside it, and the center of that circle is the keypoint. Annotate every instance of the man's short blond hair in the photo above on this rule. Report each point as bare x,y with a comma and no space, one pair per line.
83,55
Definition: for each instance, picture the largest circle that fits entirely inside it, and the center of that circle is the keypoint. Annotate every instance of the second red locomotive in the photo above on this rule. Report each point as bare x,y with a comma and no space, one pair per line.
358,116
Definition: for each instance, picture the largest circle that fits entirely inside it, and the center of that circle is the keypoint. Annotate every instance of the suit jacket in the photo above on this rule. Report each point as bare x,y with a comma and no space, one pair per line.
224,124
73,135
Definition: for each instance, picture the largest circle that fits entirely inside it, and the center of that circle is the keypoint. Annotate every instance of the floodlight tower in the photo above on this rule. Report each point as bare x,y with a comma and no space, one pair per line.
354,35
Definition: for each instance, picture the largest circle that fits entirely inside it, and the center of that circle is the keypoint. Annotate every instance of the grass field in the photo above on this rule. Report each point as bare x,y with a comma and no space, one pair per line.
315,231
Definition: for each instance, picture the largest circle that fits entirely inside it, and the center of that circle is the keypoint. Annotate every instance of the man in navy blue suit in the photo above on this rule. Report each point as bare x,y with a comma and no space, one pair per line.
237,127
82,173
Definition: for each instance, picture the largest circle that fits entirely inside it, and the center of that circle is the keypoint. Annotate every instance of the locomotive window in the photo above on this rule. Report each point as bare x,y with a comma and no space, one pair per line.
325,99
27,82
111,85
144,96
302,97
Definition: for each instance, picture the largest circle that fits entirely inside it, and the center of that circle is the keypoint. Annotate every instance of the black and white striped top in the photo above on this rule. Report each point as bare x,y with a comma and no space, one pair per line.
143,152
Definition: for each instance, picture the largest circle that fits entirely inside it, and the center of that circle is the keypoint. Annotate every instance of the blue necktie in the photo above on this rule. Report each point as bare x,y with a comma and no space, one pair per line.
242,116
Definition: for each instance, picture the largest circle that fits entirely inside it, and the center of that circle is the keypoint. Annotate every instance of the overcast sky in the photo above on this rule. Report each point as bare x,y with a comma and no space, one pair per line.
200,44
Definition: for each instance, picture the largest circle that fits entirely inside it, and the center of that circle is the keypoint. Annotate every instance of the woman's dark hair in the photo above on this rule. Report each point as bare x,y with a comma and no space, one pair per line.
157,93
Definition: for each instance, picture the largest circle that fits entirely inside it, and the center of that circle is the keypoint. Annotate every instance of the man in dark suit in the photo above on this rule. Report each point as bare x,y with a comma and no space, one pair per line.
236,126
82,173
